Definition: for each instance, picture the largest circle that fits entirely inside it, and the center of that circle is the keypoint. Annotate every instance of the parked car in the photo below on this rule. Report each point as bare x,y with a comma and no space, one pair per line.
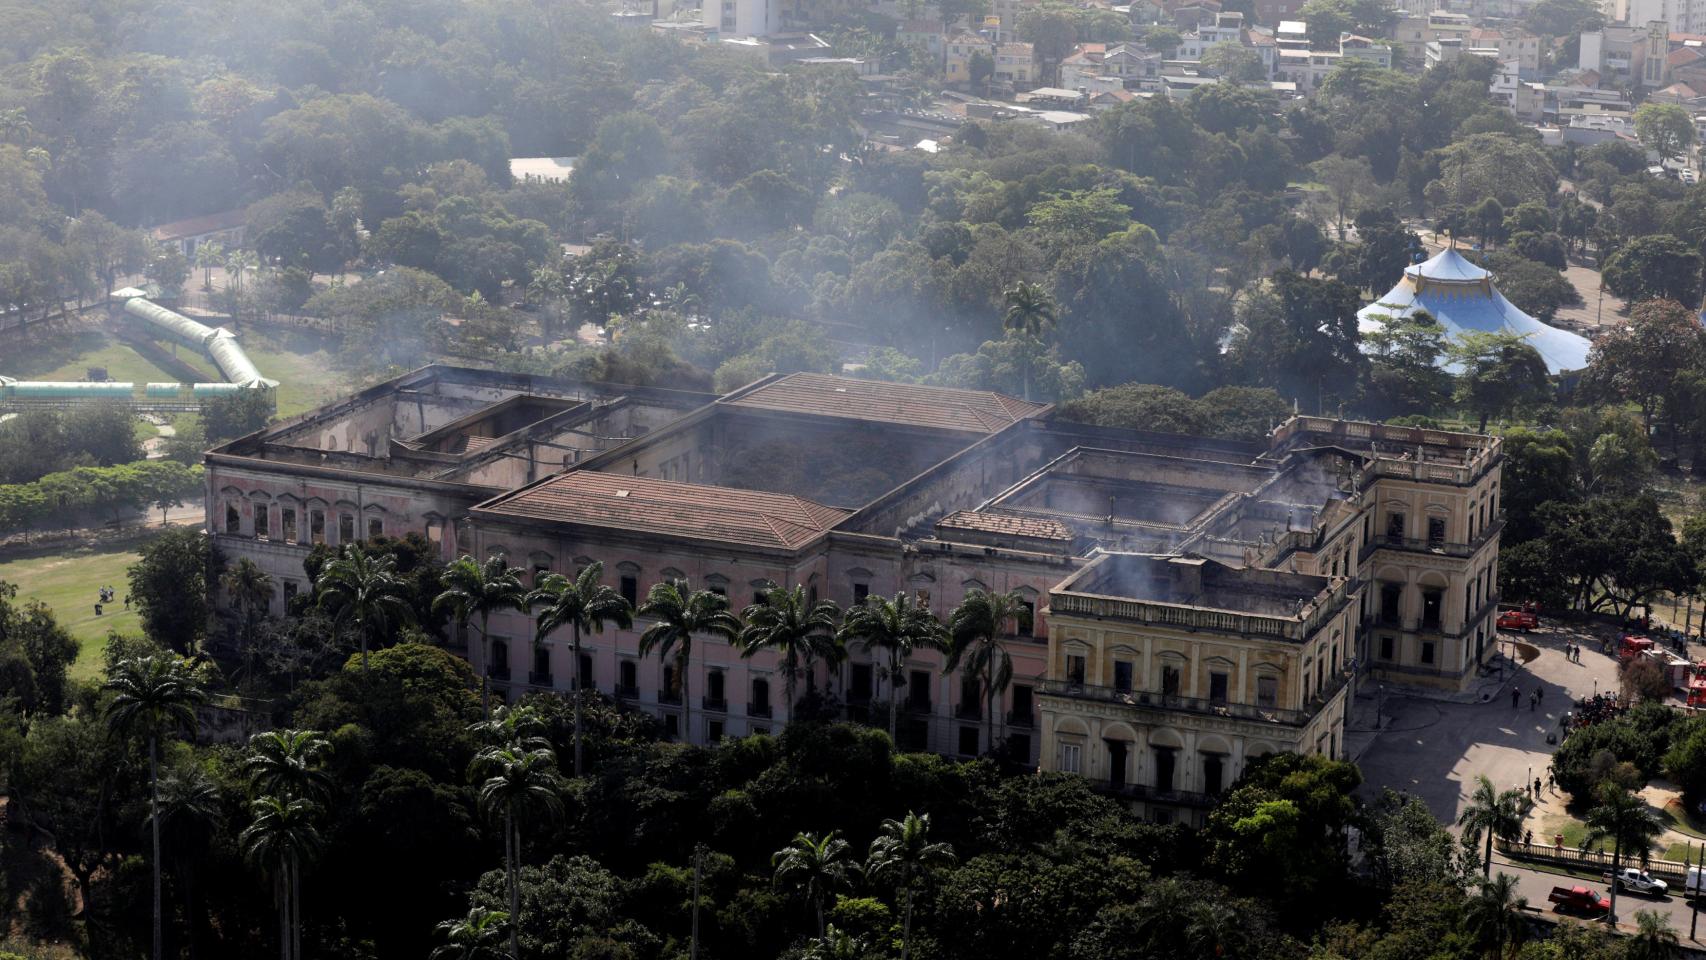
1578,900
1633,880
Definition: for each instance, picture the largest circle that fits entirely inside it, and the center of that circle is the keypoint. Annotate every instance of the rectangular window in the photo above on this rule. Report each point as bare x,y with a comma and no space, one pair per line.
289,591
1122,676
671,727
968,742
287,524
1213,765
346,528
971,695
1023,705
1069,757
587,680
1170,681
1391,595
1019,745
918,690
498,669
670,691
1427,651
1432,600
1217,687
1267,691
375,527
859,684
759,705
541,667
435,531
714,682
263,521
1395,526
629,685
714,730
1029,626
1436,531
860,592
233,519
631,590
1074,668
1164,761
1386,648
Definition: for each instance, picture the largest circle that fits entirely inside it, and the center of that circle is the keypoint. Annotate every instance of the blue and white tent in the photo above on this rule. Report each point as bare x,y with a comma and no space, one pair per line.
1462,297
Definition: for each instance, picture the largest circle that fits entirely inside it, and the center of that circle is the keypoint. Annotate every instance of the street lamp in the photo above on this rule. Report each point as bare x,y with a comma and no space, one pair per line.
1379,704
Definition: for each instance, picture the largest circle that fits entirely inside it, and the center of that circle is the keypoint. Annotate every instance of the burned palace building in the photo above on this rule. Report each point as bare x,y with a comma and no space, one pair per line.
1196,602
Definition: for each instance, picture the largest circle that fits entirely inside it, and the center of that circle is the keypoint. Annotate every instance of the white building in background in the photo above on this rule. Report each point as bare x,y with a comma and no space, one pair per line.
743,18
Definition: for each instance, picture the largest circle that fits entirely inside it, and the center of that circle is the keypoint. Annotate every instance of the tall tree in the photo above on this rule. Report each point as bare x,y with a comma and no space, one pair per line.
978,629
897,628
584,605
190,815
517,781
816,868
153,697
1623,817
169,586
902,854
280,839
364,590
1491,813
680,612
1030,310
1665,128
249,588
471,589
1499,374
1495,917
784,622
289,764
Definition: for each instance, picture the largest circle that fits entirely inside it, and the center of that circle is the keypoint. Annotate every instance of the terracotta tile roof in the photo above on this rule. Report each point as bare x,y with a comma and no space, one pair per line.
1683,56
1039,528
721,514
196,226
975,411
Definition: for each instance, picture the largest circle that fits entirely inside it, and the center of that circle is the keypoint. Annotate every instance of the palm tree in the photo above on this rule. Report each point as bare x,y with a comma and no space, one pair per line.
153,697
15,126
189,812
1494,918
511,726
1628,821
279,840
785,622
207,256
517,780
977,628
474,937
816,868
1028,310
583,605
250,590
680,613
897,627
1653,938
480,589
903,853
1494,814
364,589
287,764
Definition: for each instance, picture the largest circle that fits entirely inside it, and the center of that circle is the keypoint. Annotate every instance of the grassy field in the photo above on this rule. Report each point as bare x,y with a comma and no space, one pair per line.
70,357
301,362
69,582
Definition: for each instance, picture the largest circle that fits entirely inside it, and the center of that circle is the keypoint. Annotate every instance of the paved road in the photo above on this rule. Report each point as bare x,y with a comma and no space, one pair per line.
1436,749
1534,885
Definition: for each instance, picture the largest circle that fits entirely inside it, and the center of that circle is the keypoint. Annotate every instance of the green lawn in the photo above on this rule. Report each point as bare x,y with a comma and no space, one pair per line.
69,583
302,365
301,362
70,357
